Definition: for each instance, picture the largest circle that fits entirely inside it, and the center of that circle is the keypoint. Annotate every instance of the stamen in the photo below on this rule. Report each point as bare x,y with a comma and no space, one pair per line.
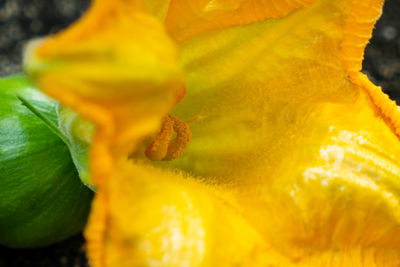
163,148
181,142
158,149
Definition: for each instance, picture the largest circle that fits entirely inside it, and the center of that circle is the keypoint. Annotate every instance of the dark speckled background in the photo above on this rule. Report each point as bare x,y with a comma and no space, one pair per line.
21,20
382,56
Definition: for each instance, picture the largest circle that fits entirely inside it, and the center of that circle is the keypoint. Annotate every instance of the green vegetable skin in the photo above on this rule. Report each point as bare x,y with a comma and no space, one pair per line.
42,199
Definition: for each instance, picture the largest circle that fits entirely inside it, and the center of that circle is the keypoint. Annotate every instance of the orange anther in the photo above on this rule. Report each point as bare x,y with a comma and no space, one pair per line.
163,148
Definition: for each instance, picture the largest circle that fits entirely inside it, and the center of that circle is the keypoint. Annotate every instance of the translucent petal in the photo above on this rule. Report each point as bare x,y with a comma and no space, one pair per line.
157,218
116,67
186,19
282,119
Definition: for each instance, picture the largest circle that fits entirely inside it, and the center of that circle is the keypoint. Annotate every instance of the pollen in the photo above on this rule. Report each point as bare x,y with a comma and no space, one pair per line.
164,146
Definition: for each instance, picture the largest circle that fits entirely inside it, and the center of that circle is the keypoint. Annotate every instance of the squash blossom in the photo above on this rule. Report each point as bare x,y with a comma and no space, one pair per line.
231,133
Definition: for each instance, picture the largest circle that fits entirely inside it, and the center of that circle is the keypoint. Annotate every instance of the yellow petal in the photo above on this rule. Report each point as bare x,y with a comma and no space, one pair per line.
281,117
253,88
186,19
158,8
157,218
116,67
149,217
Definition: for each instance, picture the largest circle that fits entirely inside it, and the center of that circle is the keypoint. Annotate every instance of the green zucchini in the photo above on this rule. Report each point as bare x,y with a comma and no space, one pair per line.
42,200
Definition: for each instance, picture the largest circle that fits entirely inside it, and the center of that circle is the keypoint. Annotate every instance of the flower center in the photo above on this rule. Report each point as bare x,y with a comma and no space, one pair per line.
164,146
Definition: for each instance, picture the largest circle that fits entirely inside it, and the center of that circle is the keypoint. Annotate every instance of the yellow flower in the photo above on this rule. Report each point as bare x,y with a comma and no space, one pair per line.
294,154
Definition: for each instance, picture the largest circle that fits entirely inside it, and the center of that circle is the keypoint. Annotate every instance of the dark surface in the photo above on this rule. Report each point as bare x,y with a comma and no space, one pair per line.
70,253
21,20
382,56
